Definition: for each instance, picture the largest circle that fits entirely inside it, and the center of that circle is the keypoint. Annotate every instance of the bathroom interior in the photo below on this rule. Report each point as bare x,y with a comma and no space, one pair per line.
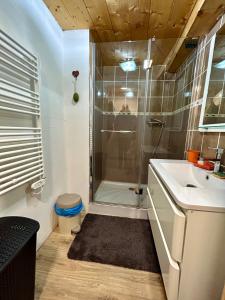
112,150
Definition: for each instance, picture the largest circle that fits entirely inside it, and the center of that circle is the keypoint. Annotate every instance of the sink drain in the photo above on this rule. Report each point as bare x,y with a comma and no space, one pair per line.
191,185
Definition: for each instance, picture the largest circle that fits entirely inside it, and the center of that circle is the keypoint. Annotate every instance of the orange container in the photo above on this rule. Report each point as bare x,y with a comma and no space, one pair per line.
193,155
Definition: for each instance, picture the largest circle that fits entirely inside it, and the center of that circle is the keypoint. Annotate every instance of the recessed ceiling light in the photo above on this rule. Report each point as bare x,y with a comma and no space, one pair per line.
128,66
123,88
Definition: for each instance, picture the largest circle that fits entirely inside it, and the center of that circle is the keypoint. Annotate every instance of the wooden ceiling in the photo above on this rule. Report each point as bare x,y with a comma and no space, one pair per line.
122,20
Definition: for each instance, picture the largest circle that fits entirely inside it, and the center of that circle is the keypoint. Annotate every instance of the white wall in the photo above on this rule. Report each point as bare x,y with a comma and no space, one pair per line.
76,57
30,23
65,126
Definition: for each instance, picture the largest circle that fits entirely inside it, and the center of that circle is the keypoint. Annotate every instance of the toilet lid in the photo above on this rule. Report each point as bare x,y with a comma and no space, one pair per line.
68,200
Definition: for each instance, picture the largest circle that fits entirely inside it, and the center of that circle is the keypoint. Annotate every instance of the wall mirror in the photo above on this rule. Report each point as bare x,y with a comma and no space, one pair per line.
213,107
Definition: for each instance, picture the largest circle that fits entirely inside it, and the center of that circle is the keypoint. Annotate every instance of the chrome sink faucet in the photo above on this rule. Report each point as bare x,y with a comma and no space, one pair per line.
217,162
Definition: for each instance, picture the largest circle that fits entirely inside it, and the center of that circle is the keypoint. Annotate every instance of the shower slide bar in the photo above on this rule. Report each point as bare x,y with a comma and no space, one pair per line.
21,150
118,131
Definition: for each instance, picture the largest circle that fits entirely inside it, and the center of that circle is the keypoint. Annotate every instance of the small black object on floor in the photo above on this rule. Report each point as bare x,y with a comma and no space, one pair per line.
116,241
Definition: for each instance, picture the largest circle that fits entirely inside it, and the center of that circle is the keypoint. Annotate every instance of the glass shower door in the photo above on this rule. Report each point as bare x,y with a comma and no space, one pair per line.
119,120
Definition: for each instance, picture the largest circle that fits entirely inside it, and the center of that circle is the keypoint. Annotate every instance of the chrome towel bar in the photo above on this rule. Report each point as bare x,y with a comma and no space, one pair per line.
118,131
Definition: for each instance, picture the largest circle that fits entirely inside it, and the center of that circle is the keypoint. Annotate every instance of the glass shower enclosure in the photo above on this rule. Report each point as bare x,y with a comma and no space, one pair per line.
137,114
120,88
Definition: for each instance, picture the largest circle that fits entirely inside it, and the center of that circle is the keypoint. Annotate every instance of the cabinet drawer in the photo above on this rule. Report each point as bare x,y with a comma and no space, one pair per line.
169,268
171,219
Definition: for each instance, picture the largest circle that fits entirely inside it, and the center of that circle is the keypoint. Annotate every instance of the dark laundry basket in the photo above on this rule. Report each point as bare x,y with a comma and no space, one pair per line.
17,258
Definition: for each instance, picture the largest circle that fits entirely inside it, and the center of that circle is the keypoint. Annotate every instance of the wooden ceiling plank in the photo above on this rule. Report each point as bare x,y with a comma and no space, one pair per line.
118,11
78,11
169,59
159,16
99,14
139,14
60,13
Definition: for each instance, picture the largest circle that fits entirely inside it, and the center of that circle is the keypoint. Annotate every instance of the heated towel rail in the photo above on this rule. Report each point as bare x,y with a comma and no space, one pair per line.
21,151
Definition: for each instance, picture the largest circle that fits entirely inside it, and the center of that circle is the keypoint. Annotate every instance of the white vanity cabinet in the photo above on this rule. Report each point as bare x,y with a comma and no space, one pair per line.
190,245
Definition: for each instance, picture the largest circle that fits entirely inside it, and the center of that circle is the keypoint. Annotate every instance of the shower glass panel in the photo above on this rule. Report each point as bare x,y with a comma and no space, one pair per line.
118,112
170,92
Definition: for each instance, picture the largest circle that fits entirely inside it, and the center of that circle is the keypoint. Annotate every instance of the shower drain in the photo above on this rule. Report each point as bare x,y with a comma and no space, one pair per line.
136,190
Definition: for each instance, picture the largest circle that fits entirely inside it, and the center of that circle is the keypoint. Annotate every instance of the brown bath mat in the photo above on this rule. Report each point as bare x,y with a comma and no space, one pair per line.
116,241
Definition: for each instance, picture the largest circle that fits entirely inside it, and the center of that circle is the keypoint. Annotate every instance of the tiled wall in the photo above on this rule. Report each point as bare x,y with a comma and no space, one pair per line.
195,139
169,100
181,107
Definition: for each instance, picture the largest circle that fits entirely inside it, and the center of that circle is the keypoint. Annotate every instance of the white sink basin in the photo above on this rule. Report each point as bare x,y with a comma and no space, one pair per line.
187,174
191,187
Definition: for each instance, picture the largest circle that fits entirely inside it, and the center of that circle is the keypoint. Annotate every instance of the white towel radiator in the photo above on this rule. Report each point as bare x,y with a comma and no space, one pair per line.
21,152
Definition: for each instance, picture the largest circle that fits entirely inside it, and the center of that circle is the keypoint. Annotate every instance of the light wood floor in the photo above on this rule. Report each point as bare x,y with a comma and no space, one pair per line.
58,278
